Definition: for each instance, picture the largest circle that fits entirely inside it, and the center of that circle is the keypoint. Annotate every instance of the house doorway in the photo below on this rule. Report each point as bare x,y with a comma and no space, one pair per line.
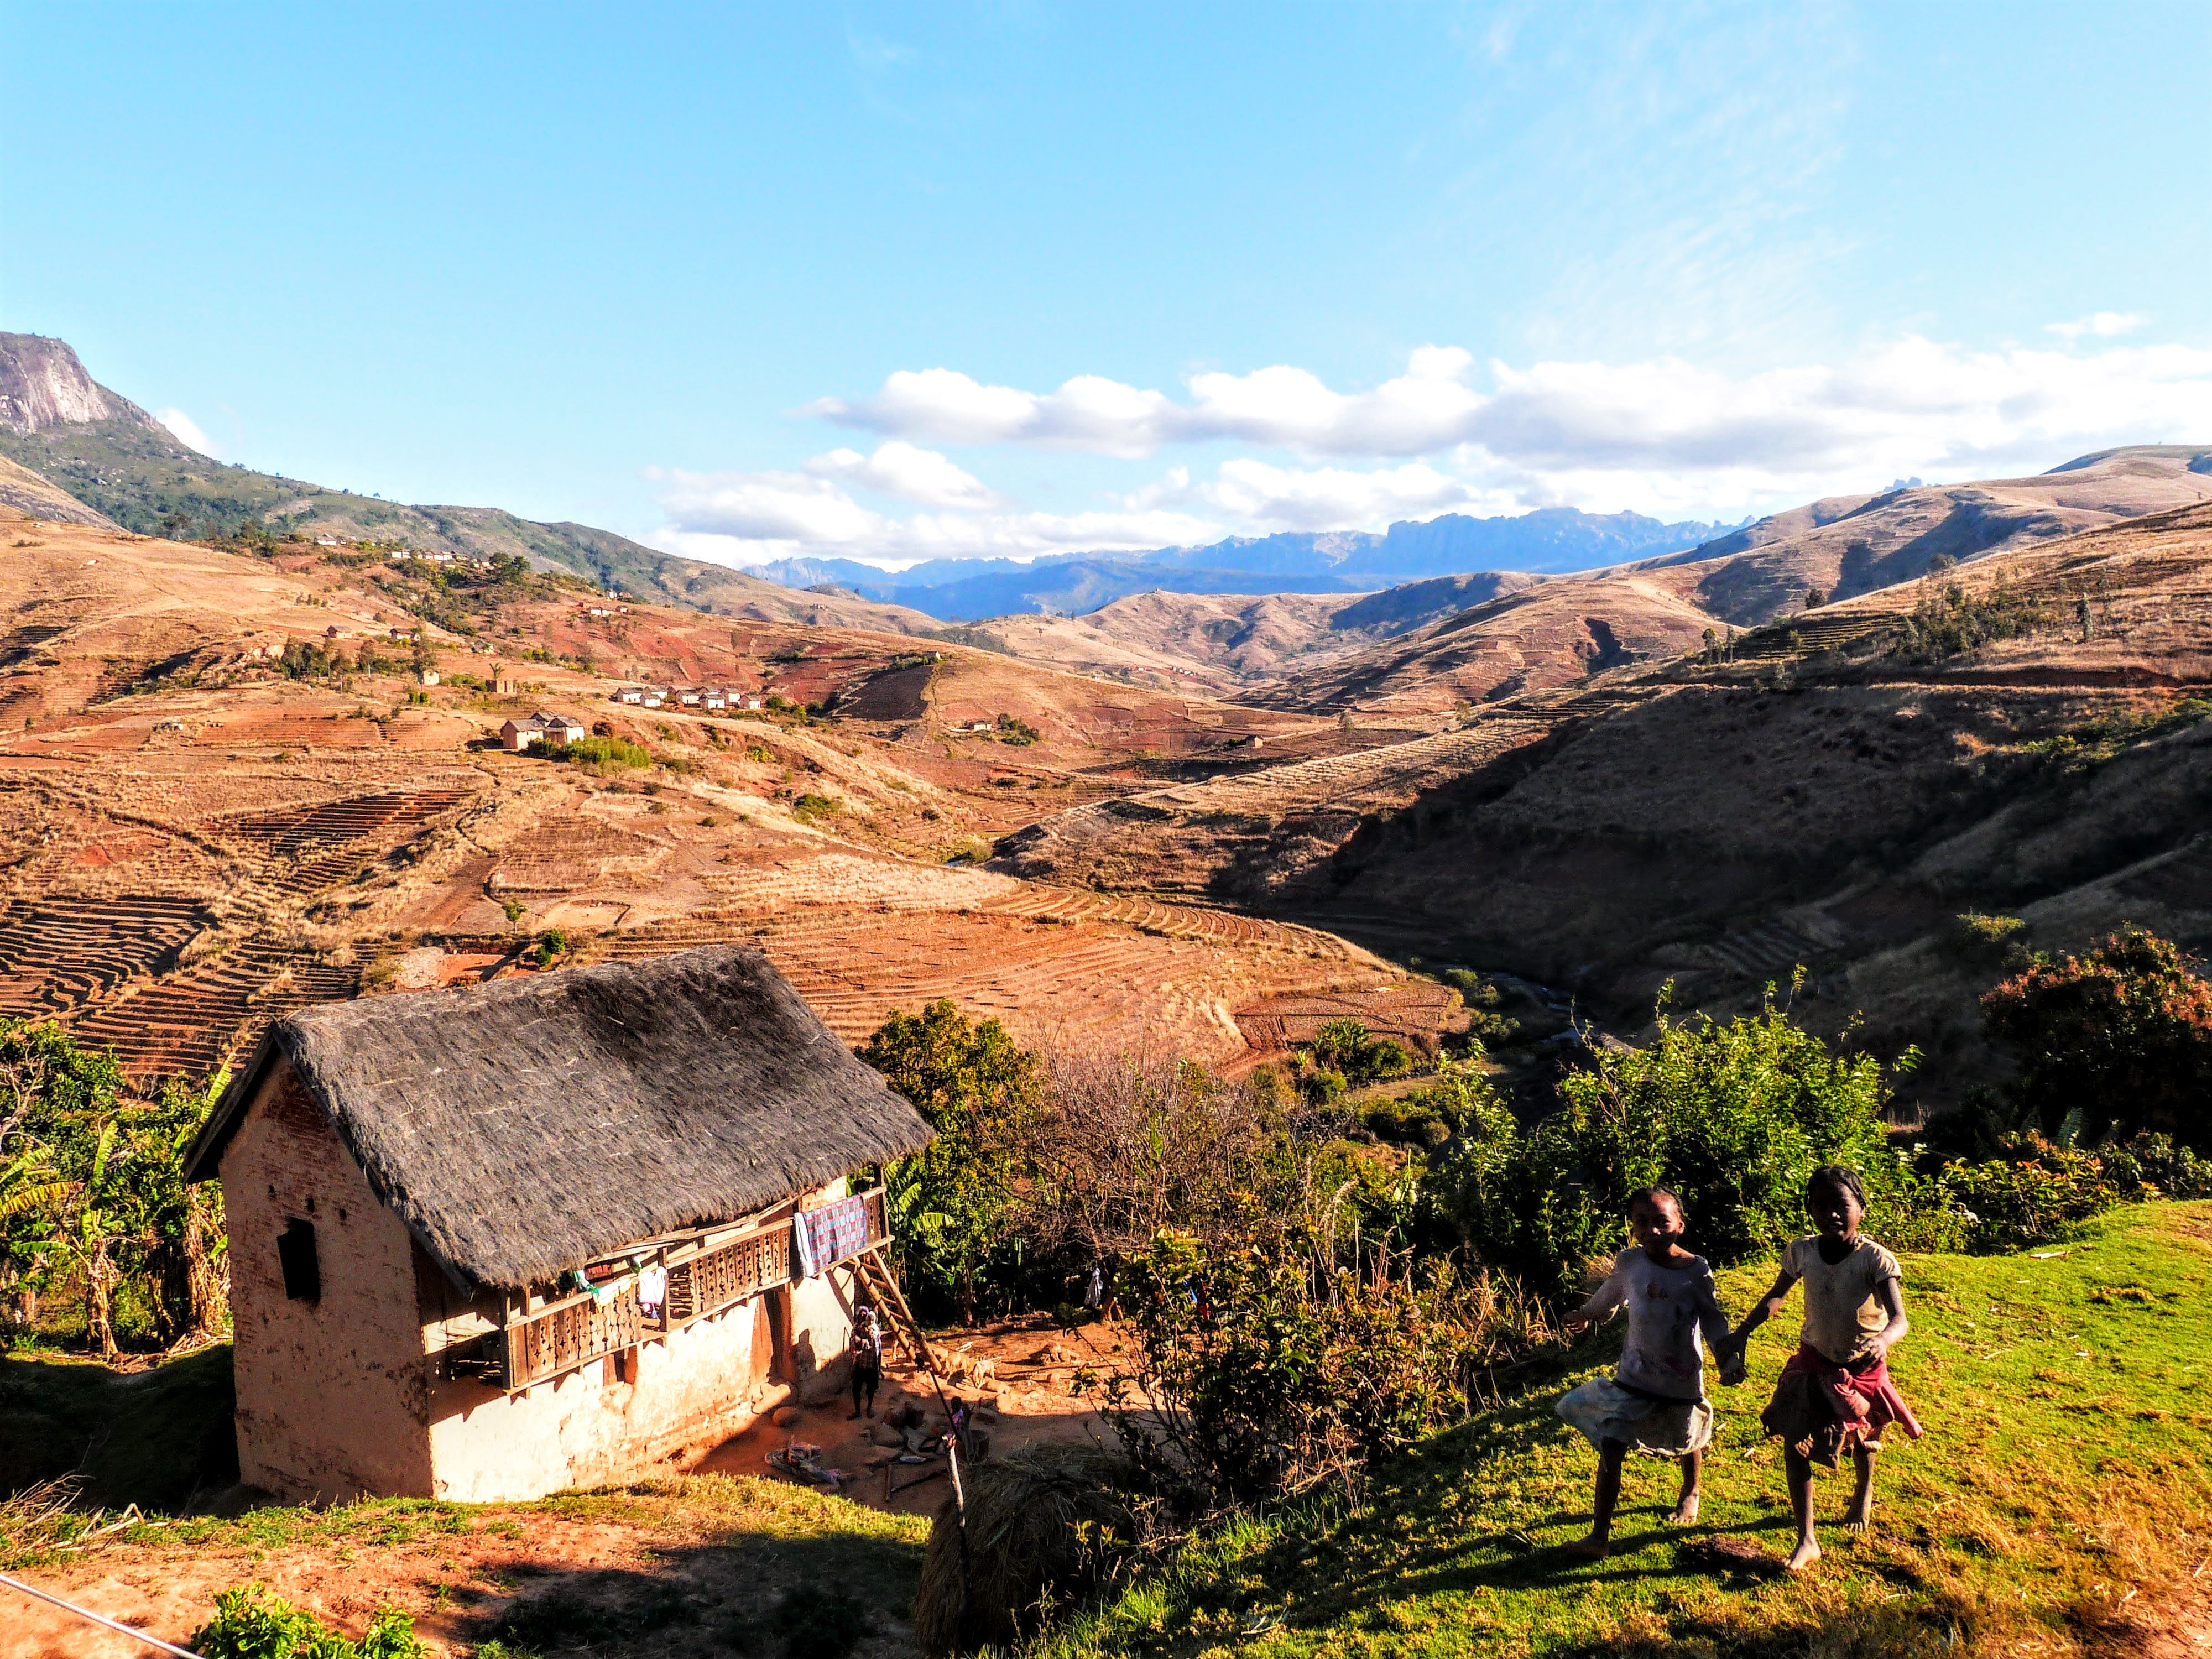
771,1352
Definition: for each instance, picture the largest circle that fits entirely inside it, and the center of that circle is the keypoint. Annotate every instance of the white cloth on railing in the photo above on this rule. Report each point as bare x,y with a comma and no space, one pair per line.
652,1288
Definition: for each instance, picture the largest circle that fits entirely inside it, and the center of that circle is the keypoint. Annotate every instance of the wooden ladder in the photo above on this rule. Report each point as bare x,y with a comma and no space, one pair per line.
882,1288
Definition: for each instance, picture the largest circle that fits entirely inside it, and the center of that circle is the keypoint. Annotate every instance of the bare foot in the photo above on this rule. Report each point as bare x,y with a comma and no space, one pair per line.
1858,1517
1806,1553
1592,1548
1684,1512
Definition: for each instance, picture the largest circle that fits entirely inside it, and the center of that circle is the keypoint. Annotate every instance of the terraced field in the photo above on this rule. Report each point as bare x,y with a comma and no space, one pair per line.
1419,1014
191,1022
1247,832
58,954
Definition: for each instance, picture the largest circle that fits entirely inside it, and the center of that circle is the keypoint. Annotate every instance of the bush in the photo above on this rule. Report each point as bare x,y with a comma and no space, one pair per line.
250,1623
1345,1046
2122,1037
605,756
1265,1367
807,808
1732,1117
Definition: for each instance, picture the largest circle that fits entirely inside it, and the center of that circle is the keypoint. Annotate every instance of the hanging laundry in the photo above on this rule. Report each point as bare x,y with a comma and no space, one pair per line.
830,1234
652,1289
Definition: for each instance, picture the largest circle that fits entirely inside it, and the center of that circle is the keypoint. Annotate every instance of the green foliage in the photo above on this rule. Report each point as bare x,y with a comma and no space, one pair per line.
1733,1117
514,909
303,659
1486,1026
1952,621
1018,732
2100,739
605,756
92,1191
552,945
2122,1037
949,1203
1347,1046
808,809
1264,1366
252,1623
1974,933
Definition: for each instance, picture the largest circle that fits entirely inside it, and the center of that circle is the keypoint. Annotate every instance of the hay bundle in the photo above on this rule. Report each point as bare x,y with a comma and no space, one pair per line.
1045,1524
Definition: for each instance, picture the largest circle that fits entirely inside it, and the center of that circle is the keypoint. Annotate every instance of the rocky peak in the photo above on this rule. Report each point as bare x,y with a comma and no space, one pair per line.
42,384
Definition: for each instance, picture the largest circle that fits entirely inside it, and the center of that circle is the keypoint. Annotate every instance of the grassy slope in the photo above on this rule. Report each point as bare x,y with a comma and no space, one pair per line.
2068,1462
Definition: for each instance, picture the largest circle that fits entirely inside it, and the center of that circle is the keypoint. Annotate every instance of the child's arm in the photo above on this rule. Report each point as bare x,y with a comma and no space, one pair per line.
1891,1294
1769,1307
1605,1301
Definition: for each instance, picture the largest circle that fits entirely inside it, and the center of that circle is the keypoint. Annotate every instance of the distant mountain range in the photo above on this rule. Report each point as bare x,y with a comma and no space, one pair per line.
1549,540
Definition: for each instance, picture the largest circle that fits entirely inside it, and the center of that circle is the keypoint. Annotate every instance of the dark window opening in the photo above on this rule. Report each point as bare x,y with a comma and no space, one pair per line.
296,1251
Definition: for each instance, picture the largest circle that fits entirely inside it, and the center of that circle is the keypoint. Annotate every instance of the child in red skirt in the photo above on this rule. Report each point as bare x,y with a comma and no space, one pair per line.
1835,1392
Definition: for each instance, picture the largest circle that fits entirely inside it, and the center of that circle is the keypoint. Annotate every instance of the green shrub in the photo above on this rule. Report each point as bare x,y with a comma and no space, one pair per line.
1732,1117
808,808
1345,1047
603,754
1976,934
552,944
250,1623
1264,1367
2122,1036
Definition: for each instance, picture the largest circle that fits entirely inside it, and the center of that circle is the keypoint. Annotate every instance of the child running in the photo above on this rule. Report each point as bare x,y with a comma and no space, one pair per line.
1835,1392
1656,1401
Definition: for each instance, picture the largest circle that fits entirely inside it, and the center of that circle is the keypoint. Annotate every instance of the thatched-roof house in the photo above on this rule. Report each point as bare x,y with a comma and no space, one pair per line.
488,1244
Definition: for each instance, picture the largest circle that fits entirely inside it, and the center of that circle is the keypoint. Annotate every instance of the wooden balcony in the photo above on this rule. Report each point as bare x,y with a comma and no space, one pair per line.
708,1272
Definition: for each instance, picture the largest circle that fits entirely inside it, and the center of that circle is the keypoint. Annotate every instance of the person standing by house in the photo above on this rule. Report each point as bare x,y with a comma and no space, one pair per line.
867,1352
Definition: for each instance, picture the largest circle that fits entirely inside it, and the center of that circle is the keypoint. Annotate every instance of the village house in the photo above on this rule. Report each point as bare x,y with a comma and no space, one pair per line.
559,1230
541,727
714,697
690,696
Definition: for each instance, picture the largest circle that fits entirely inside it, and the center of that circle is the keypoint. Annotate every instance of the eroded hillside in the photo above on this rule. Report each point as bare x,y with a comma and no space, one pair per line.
225,791
2025,736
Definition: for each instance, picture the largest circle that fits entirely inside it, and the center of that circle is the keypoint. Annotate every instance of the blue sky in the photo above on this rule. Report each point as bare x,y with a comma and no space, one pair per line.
887,282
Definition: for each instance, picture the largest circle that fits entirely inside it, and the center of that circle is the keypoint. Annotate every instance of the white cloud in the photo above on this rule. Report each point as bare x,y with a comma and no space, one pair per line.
1261,496
186,431
1663,436
752,518
2102,324
1914,405
921,476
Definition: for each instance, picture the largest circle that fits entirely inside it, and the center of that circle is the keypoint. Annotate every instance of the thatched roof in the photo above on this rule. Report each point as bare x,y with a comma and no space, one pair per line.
523,1128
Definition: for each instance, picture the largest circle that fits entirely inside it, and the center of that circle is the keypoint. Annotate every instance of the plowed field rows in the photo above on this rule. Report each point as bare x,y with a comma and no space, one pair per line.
566,854
1131,972
191,1022
291,830
1419,1015
60,953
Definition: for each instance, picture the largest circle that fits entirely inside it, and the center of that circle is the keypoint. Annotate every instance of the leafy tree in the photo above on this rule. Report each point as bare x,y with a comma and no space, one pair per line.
2121,1037
92,1194
1345,1046
951,1203
1732,1117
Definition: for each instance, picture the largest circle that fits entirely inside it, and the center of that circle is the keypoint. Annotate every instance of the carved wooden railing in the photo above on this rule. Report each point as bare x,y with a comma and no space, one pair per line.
706,1275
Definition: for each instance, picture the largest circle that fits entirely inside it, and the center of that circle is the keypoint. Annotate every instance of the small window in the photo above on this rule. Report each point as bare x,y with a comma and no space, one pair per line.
295,1250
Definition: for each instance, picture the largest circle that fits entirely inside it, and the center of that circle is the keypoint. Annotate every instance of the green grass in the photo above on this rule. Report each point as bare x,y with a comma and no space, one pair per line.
2068,1462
